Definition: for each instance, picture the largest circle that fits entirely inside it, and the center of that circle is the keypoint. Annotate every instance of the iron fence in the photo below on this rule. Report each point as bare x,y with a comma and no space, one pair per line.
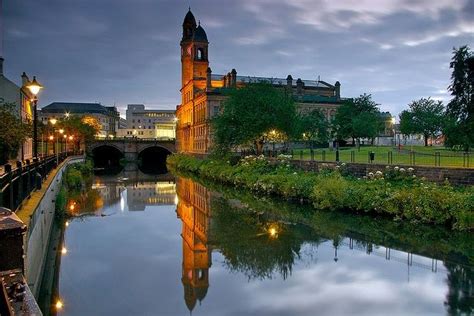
17,184
387,155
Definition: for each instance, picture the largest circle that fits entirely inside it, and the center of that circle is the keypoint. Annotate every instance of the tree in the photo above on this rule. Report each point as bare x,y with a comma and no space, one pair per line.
13,132
250,114
424,116
313,127
460,110
83,128
358,118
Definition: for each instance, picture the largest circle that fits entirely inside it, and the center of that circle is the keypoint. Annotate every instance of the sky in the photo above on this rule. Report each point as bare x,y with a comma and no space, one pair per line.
118,52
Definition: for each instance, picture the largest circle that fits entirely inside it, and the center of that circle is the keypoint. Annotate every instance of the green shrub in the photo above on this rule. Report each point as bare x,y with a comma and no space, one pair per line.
396,192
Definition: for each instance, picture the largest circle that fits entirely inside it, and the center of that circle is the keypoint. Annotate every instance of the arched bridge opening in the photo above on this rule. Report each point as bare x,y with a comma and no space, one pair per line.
107,158
153,160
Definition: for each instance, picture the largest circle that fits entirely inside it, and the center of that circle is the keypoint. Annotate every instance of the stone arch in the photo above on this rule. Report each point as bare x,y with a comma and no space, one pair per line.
110,144
152,158
106,156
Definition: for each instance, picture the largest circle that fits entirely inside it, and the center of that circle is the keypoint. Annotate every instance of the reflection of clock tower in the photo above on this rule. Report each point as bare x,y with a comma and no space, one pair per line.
194,52
194,211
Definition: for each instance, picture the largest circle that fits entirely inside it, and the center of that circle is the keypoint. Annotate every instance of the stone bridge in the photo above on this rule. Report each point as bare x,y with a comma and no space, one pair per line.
129,148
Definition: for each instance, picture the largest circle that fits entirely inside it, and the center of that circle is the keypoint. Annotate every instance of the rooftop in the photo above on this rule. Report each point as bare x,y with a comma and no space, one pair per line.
75,108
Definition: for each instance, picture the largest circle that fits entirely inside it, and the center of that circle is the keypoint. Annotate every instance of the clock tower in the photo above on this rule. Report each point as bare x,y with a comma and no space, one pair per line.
194,50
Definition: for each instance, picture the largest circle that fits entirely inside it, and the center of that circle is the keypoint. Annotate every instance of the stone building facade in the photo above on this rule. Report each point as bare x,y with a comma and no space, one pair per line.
10,92
202,91
108,117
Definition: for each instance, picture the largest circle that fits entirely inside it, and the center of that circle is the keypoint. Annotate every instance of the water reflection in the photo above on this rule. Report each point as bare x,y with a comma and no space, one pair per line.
194,210
242,255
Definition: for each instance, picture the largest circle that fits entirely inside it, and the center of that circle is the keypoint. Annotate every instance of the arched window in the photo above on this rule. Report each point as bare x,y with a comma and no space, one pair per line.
200,54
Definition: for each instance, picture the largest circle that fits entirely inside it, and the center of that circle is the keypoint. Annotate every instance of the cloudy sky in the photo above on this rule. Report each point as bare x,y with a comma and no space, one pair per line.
127,51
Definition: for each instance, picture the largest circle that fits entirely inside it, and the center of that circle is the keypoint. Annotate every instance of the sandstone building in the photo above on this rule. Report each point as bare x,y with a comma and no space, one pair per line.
202,91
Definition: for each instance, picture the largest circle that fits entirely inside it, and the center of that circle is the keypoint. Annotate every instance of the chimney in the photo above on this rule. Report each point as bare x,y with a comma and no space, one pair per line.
337,86
24,79
1,66
233,75
208,79
299,86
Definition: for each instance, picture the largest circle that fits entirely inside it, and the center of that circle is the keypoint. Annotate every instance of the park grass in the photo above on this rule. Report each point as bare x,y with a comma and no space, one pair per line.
423,156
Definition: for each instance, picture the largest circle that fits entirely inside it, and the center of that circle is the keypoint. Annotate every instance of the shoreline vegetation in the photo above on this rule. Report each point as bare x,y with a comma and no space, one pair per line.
394,193
77,178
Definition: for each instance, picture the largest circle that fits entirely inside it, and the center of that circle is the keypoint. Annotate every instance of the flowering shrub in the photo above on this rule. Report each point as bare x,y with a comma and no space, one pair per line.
393,192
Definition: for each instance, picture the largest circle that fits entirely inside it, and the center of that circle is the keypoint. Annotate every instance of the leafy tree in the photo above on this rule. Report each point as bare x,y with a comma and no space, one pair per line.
13,132
313,127
460,110
250,114
425,116
358,118
83,128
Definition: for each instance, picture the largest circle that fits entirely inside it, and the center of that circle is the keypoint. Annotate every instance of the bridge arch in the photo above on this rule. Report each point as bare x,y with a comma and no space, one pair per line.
152,158
106,156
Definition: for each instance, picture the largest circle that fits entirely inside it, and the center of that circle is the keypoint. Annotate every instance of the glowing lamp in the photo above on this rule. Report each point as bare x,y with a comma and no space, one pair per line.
34,86
53,121
59,304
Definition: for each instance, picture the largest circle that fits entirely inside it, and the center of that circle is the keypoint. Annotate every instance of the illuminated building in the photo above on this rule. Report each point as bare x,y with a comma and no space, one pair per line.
202,97
193,209
146,123
21,97
106,116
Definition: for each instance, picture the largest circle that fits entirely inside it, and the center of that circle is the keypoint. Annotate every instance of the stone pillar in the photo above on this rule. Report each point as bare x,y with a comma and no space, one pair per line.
12,231
233,75
299,86
337,85
229,80
289,83
225,81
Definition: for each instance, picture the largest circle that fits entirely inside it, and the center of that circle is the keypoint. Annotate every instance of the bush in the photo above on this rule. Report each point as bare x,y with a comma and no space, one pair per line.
396,192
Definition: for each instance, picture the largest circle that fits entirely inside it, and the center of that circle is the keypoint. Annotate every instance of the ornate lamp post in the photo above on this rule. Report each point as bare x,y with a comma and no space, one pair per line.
34,88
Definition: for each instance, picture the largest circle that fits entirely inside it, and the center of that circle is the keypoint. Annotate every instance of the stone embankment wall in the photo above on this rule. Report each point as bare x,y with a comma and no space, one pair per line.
455,176
39,228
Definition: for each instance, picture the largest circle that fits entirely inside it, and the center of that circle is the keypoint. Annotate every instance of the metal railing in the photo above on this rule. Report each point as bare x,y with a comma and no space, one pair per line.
387,156
17,184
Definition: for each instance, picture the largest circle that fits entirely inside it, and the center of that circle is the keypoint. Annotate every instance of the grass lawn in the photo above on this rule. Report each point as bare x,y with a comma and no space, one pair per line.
422,156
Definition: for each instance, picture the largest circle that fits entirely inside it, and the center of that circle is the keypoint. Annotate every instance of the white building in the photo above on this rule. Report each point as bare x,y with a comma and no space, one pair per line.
144,123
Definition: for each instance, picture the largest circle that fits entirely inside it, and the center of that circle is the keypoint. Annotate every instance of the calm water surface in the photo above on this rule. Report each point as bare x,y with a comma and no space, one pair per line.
168,247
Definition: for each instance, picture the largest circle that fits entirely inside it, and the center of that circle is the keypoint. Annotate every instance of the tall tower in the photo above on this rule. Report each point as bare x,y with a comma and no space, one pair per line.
194,50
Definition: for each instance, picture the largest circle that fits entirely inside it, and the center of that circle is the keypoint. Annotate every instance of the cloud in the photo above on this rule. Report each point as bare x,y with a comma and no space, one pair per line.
120,51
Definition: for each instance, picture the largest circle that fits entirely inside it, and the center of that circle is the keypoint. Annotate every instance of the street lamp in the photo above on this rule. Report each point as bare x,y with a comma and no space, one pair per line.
34,88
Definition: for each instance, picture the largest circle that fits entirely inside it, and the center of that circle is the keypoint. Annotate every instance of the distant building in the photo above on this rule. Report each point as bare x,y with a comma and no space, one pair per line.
107,116
20,96
202,97
145,123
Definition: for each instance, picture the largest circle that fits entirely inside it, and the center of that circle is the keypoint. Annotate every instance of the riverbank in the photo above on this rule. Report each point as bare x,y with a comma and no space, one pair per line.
393,192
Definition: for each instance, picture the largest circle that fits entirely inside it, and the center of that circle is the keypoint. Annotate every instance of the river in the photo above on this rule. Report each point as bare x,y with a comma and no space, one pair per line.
141,245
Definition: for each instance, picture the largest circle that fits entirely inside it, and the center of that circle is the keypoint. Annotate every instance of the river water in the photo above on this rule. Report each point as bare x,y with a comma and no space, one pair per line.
164,246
